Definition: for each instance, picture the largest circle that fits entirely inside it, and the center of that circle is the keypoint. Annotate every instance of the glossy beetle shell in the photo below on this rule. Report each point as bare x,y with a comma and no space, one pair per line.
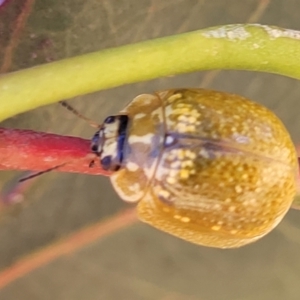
209,167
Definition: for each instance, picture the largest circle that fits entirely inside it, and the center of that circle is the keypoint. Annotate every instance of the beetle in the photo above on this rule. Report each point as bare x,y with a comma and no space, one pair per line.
209,167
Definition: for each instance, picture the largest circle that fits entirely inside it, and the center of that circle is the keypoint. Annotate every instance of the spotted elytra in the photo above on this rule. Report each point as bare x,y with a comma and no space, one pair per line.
209,167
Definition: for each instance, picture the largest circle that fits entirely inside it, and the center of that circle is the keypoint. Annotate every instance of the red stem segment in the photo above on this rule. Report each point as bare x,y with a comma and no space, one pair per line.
38,151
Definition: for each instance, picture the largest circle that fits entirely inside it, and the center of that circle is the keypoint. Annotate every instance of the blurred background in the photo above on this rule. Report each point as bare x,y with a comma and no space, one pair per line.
135,261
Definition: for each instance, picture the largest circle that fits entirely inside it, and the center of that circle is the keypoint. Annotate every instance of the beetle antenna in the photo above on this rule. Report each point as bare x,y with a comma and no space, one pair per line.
79,115
40,173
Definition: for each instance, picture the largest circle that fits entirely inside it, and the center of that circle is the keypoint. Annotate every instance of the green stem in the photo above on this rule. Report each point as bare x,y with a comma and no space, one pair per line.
243,47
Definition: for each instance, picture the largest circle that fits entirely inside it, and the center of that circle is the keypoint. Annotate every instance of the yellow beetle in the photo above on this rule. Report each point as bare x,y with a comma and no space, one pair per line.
209,167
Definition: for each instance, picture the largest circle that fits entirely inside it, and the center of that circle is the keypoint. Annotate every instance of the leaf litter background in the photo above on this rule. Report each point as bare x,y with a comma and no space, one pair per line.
135,262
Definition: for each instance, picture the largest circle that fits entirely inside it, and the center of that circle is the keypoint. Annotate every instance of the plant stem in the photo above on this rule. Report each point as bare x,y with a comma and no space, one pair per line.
243,47
38,151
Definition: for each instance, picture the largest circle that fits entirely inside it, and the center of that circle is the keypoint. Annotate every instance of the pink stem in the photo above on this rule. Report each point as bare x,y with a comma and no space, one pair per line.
39,151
